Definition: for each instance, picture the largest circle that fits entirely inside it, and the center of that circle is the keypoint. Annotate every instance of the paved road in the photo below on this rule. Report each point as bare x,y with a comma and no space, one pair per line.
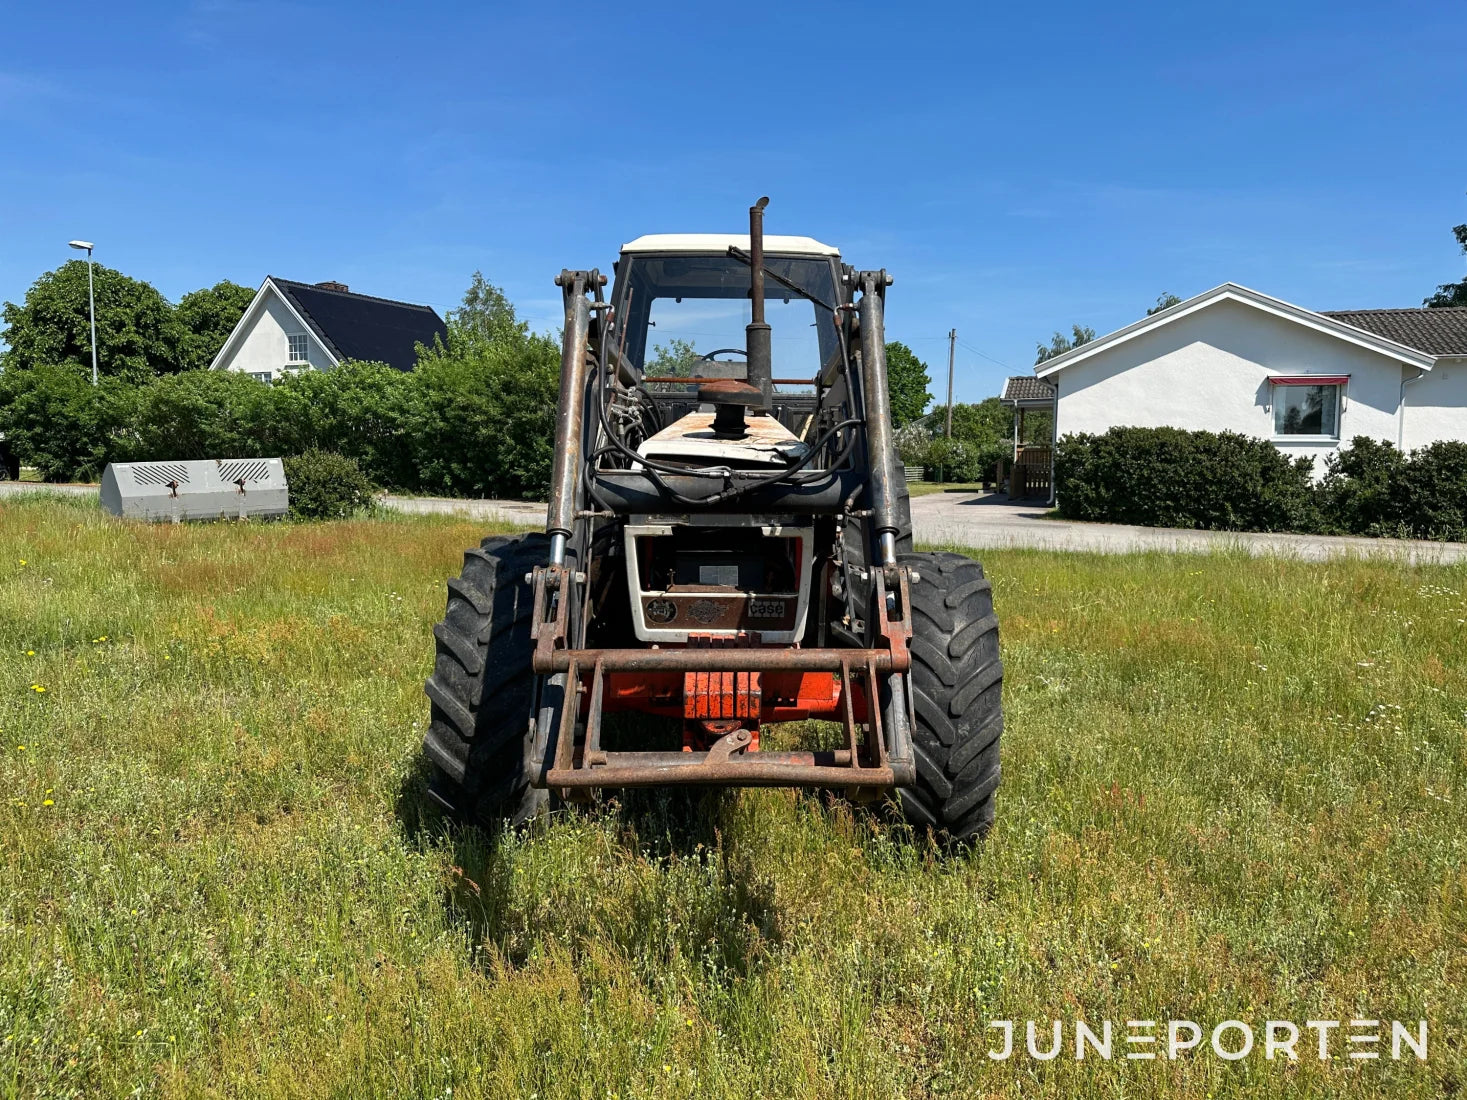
984,520
11,488
501,511
991,520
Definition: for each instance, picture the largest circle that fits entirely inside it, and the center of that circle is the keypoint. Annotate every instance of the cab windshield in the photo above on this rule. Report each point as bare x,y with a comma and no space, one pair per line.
680,310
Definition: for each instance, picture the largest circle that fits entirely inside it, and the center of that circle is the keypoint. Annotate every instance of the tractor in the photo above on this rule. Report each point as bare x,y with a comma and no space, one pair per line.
727,550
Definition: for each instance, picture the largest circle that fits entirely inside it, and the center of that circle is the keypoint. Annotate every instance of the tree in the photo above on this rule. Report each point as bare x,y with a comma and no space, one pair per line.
906,382
979,425
1452,294
208,317
55,420
486,317
483,414
1059,343
1165,300
138,334
982,433
673,359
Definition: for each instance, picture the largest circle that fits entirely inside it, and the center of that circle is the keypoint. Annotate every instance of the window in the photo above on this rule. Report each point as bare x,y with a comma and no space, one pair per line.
1303,408
263,376
297,347
680,308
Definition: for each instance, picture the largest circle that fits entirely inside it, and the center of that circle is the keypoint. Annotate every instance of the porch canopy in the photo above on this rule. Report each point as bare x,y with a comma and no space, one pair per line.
1033,469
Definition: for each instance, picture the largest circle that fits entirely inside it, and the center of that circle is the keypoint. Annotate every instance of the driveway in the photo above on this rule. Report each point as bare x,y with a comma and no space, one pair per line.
983,520
992,520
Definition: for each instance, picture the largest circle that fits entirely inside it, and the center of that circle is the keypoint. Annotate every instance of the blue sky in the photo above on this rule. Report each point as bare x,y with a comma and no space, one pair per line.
1017,167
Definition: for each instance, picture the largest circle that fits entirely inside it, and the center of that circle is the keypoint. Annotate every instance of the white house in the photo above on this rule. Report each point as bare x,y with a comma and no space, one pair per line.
291,326
1233,359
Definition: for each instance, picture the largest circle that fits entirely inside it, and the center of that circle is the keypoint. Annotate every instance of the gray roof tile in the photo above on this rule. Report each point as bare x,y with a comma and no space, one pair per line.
1026,387
1434,331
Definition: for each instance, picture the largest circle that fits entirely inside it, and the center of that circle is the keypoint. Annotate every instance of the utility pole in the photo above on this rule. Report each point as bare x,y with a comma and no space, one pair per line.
952,341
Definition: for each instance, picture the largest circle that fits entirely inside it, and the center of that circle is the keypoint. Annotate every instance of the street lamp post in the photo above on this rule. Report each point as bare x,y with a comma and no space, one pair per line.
91,302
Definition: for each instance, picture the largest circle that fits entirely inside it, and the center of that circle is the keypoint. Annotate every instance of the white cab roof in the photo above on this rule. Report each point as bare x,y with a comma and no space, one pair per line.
720,242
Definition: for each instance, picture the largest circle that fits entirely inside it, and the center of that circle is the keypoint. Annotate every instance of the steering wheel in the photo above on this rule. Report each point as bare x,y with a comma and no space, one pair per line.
719,351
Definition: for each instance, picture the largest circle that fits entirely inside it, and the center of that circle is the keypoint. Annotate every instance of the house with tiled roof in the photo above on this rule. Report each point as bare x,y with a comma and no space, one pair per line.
291,326
1234,359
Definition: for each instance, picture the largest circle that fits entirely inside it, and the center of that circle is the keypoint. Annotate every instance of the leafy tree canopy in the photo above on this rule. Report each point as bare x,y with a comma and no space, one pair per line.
486,317
1452,294
1059,343
673,359
1165,300
138,333
906,381
208,317
980,425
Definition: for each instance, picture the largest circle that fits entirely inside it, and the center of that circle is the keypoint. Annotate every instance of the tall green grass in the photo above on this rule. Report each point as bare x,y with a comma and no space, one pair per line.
1232,788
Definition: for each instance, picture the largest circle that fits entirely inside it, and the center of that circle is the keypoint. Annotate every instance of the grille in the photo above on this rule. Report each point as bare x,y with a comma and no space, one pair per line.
232,473
159,473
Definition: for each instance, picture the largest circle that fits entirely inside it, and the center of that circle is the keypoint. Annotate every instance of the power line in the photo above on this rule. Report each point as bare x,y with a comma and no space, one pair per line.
984,355
967,347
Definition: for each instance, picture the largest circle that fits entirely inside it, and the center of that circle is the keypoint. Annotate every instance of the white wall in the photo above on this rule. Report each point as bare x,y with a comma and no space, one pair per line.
1209,371
264,347
1436,405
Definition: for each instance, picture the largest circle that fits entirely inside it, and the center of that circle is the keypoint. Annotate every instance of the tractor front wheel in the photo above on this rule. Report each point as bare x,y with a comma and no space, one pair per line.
957,684
483,691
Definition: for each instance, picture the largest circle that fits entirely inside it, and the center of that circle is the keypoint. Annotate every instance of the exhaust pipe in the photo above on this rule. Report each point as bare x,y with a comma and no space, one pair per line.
756,342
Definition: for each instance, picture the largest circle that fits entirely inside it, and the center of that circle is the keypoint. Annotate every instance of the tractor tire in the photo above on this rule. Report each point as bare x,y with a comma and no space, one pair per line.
957,685
483,690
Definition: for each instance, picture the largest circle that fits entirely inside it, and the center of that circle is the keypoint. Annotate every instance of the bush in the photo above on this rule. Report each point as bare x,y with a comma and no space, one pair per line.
1433,491
55,420
1167,477
1370,488
203,414
485,419
365,411
956,459
1359,492
325,485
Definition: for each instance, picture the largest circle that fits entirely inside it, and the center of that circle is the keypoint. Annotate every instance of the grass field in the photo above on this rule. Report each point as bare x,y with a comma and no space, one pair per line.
1233,789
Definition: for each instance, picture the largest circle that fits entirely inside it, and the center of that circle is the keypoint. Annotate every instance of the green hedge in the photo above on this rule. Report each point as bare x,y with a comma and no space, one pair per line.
478,422
1223,481
1166,477
1370,488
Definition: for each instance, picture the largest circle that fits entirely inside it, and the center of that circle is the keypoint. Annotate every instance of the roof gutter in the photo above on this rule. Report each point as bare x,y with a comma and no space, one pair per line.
1401,408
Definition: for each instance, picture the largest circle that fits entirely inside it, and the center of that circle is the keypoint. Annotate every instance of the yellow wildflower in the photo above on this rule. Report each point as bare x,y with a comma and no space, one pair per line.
49,802
38,689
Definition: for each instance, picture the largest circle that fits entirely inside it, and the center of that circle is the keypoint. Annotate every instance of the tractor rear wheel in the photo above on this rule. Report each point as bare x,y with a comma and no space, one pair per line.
483,691
957,684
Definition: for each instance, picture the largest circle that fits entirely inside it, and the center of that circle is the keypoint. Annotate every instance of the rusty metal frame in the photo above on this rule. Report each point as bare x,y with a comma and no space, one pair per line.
727,762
